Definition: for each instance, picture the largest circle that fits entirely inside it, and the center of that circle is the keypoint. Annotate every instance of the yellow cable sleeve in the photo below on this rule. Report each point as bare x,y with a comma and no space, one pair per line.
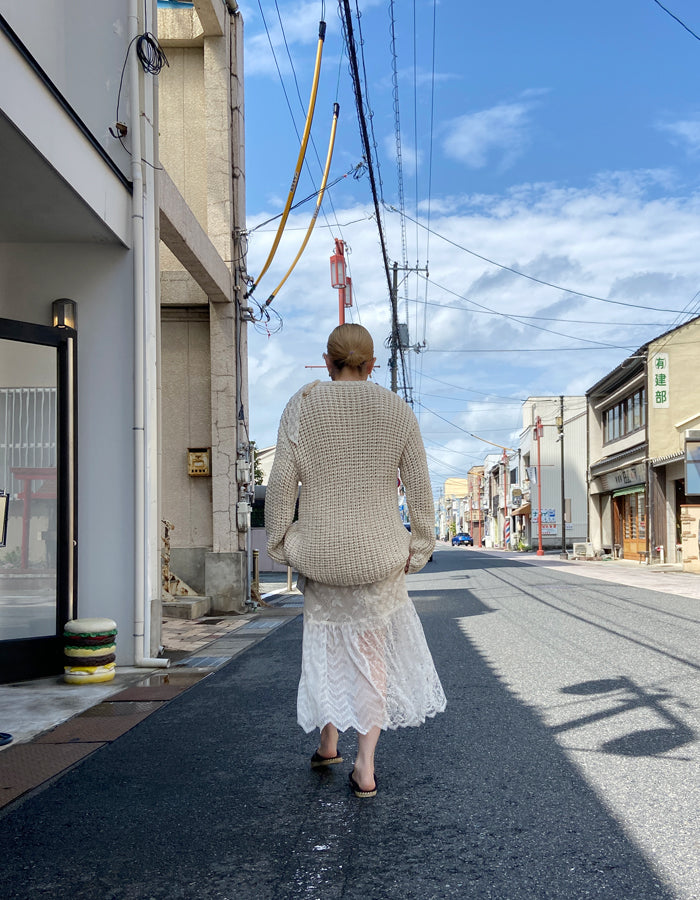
319,200
302,154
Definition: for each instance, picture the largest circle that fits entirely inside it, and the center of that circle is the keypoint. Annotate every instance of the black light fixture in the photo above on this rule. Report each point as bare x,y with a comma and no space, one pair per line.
64,313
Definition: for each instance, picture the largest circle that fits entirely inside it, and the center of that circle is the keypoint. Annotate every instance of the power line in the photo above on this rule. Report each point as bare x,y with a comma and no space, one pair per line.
397,133
541,281
306,199
472,390
524,349
471,401
528,324
697,37
459,427
303,228
370,113
430,191
489,312
364,134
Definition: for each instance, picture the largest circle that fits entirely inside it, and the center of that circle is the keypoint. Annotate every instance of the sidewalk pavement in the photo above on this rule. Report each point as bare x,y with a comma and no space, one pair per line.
668,579
54,725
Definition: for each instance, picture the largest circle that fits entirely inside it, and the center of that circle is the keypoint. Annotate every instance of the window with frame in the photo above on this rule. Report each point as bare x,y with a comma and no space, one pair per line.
625,417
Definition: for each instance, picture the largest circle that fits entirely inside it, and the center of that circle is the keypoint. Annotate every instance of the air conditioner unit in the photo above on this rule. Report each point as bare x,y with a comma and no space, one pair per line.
583,551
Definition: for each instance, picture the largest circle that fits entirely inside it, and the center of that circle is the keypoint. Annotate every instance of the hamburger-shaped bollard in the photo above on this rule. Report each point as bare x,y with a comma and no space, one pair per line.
89,651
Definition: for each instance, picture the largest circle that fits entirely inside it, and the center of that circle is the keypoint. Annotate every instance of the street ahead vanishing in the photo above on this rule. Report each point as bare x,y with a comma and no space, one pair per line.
565,766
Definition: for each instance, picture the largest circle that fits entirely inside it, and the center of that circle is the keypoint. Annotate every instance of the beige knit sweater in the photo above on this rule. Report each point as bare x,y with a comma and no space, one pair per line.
344,441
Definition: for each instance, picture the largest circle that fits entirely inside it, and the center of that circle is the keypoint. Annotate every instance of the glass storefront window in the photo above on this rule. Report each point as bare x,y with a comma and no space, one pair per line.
28,473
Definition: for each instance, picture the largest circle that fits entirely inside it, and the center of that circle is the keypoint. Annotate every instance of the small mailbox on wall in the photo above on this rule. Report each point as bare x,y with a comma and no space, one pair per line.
198,461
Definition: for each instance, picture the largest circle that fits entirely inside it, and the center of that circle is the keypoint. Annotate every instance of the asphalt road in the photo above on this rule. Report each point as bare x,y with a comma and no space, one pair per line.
564,767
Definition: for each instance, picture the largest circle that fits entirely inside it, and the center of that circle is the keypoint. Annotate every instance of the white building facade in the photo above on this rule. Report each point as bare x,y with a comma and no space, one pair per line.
85,202
79,434
562,474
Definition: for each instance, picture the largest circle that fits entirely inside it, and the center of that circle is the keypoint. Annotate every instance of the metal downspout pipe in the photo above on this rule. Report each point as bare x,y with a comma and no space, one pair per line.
142,623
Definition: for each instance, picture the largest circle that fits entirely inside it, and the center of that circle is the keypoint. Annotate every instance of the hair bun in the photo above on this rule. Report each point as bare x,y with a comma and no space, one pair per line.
350,345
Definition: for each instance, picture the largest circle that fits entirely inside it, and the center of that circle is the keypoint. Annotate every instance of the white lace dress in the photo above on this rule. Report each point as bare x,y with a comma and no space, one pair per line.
365,661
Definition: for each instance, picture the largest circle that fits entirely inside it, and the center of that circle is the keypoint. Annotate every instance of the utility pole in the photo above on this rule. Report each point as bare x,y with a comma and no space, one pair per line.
560,426
538,436
506,523
393,362
395,343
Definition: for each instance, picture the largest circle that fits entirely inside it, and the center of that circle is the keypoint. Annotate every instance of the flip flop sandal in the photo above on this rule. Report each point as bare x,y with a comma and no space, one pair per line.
357,790
317,760
5,738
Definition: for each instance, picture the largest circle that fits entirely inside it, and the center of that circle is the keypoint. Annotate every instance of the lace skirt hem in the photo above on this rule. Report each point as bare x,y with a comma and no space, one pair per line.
365,660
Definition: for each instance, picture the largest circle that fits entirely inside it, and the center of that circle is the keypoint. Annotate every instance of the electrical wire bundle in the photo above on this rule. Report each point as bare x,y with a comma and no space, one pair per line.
150,54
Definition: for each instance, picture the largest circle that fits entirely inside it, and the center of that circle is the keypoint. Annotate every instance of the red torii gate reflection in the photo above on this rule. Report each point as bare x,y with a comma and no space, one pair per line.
47,491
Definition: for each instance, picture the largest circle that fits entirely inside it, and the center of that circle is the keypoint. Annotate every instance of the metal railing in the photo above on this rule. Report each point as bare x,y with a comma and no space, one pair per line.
28,430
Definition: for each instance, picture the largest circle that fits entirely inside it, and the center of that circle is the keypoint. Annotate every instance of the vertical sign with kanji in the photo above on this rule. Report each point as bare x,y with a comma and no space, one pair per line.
660,388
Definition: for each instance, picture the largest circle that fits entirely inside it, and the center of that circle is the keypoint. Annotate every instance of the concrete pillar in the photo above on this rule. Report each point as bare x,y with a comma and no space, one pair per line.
227,566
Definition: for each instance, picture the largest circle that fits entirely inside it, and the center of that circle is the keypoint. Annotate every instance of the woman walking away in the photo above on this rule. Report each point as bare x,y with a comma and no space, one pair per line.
365,662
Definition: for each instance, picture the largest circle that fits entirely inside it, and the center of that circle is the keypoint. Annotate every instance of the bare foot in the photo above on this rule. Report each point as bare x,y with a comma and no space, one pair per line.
364,779
328,745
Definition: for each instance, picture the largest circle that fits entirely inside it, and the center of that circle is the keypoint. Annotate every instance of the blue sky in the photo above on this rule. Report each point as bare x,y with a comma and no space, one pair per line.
565,145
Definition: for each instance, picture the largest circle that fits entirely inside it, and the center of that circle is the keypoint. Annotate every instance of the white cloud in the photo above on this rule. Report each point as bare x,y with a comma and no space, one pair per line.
609,239
409,159
500,133
685,133
299,27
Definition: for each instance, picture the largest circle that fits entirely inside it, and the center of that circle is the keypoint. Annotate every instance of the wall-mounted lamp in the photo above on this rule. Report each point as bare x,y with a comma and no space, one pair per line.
64,313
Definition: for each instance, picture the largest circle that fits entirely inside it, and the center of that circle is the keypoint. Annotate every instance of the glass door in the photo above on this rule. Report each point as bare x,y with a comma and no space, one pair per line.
634,534
37,543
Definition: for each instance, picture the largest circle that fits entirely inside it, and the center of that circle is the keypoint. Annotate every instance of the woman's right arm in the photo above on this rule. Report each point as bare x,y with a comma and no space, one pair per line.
414,474
281,494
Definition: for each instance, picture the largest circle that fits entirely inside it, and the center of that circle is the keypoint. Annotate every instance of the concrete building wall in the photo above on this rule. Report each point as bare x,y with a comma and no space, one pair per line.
667,424
575,484
186,376
201,107
183,142
456,488
186,423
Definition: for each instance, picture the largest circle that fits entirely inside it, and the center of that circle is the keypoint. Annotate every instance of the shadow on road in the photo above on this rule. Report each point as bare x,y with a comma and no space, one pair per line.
625,697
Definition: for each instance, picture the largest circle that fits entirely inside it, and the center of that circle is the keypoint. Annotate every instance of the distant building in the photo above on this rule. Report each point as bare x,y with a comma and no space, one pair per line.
638,415
571,428
492,500
449,515
474,523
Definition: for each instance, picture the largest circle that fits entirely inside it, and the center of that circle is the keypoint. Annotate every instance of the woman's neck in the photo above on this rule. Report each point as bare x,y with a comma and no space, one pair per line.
348,374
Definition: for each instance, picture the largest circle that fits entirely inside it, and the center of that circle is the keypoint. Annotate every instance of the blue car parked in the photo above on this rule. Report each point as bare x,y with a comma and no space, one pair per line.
462,539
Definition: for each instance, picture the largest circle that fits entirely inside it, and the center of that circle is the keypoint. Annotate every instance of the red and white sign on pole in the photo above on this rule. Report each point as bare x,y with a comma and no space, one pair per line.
539,429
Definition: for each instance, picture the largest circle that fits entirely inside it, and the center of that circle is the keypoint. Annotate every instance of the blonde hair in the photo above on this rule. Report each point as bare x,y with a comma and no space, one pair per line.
350,345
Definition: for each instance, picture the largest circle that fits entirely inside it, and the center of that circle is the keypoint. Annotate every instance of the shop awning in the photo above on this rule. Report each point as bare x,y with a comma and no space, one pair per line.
637,489
523,510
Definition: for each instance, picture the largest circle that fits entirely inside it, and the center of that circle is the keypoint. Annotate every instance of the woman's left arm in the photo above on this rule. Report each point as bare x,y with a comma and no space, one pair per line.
419,495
